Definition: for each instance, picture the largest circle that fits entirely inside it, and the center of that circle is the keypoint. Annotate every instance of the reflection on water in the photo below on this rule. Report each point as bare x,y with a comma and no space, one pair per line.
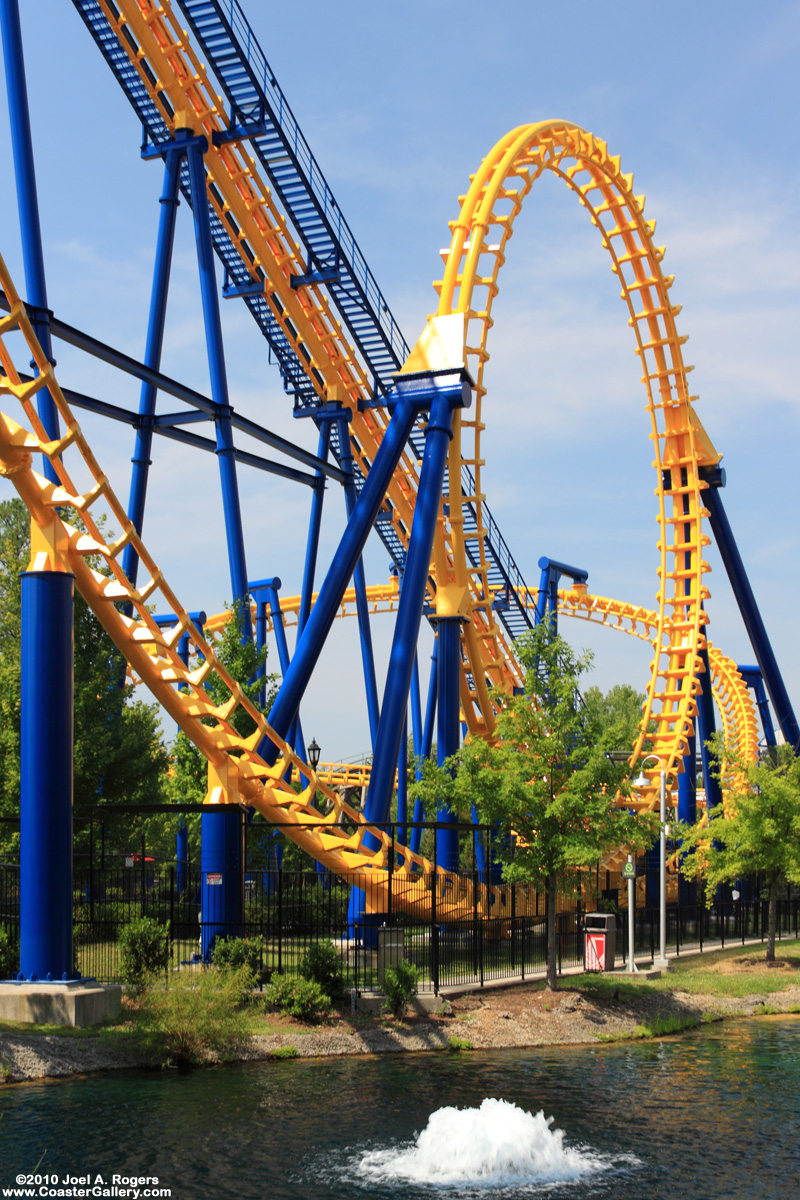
716,1114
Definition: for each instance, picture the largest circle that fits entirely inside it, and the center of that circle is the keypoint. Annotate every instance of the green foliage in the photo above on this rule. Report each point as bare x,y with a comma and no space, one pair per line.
9,955
757,829
660,1025
299,998
193,1014
284,1052
235,954
613,718
321,964
457,1043
547,783
144,952
400,985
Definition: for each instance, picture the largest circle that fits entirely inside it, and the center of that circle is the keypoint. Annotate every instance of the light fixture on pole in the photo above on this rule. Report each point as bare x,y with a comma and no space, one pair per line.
643,782
313,751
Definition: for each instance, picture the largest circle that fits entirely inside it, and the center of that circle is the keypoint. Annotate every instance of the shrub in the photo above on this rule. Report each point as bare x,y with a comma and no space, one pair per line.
321,964
233,953
194,1013
300,998
144,945
9,955
400,984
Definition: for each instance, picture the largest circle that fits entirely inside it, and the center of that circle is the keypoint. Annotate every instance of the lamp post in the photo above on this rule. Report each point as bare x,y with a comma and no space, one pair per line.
313,751
641,782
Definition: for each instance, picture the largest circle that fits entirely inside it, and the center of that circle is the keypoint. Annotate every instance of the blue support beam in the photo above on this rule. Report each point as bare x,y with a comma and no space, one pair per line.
427,742
28,205
170,199
412,596
314,525
547,600
752,677
706,727
687,811
219,382
360,584
449,730
754,624
410,399
221,875
46,776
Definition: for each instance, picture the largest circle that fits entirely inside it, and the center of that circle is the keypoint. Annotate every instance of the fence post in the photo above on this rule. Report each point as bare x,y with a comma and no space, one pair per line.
91,867
280,917
434,926
171,904
475,923
392,831
142,873
513,927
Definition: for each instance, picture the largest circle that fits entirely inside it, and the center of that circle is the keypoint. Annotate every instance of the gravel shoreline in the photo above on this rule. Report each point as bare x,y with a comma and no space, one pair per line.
517,1016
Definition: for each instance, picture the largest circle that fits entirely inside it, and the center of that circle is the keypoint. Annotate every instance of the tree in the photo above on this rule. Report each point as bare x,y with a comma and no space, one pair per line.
118,753
188,778
619,711
547,781
756,829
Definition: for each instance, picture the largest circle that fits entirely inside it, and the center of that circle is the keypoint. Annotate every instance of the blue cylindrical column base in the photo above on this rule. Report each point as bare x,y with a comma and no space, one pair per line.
448,635
222,878
46,776
182,856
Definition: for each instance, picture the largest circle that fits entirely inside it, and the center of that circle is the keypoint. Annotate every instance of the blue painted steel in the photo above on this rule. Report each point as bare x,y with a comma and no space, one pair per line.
28,205
756,631
547,600
427,743
152,355
687,811
322,616
360,584
182,856
46,776
239,64
753,679
706,726
409,609
402,786
314,523
219,382
449,728
222,877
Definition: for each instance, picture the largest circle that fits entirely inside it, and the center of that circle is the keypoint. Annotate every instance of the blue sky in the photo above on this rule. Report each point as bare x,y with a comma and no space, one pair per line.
399,104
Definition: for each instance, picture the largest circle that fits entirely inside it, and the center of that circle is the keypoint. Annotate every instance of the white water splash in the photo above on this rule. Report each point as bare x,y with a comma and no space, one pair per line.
496,1145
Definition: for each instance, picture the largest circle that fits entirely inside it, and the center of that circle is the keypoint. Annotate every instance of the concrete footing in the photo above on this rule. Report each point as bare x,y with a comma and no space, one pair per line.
77,1002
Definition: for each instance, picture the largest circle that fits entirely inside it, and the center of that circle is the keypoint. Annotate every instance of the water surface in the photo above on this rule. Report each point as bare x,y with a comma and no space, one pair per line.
714,1114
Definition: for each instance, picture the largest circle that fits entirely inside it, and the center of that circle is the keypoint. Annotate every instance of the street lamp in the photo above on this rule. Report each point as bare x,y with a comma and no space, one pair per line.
642,782
313,751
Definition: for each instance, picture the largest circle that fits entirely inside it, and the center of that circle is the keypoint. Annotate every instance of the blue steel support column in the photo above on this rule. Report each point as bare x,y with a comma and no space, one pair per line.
756,631
402,786
687,811
344,562
46,776
360,584
427,742
181,855
28,205
314,523
449,732
706,727
222,878
169,202
219,383
752,677
409,609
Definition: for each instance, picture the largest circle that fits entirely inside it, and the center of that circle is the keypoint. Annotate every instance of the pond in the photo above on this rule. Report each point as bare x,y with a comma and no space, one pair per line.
712,1114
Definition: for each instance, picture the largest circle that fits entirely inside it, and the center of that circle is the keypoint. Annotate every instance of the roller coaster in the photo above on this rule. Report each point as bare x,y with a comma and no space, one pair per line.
399,427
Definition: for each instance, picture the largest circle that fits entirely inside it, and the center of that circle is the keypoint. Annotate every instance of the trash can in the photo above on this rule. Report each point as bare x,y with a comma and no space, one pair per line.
391,949
600,945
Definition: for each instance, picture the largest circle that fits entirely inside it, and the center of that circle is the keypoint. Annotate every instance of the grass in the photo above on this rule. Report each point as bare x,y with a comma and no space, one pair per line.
284,1052
701,973
663,1026
458,1044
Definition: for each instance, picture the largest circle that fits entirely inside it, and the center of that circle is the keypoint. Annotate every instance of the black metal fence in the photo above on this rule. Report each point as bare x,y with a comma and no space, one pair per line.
288,911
